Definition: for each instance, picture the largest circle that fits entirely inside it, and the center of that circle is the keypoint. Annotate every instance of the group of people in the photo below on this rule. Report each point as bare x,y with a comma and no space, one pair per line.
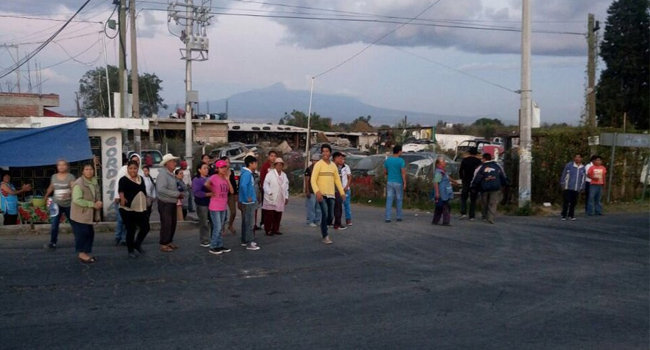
479,176
577,177
216,193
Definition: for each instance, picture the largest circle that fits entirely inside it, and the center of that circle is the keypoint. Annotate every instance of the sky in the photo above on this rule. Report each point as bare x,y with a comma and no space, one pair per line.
449,60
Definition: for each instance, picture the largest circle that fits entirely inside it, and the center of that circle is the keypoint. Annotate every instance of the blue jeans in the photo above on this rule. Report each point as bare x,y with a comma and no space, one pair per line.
120,229
346,206
394,191
218,221
593,203
54,229
313,210
247,222
327,214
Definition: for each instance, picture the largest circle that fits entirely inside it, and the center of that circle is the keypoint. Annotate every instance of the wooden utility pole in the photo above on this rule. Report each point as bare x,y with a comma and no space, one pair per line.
591,71
134,76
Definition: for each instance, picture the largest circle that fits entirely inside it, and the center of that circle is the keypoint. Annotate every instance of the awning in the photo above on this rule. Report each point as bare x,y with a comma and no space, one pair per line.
44,146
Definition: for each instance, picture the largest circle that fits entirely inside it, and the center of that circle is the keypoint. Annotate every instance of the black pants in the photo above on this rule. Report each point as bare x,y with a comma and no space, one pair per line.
338,209
586,194
84,235
10,219
569,204
167,213
135,221
473,196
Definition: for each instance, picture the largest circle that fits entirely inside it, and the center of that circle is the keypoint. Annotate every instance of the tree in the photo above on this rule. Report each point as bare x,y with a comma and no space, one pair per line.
299,119
625,49
483,122
92,90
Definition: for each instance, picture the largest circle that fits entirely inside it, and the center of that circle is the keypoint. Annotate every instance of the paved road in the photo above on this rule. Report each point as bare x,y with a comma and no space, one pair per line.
524,283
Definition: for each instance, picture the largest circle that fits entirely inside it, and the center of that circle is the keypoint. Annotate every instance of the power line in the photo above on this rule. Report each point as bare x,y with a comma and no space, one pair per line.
43,45
376,41
343,19
456,70
47,19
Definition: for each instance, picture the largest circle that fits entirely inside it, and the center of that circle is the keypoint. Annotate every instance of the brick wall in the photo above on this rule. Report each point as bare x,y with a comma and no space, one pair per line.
20,111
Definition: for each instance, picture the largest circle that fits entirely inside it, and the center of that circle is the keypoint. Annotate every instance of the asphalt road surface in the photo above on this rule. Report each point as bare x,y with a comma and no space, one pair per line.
523,283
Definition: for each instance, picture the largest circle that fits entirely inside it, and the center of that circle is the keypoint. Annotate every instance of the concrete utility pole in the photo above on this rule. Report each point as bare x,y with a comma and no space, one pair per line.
122,58
591,71
195,19
525,113
134,76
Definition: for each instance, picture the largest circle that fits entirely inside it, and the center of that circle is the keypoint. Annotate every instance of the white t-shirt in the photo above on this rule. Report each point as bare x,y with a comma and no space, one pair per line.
345,171
587,178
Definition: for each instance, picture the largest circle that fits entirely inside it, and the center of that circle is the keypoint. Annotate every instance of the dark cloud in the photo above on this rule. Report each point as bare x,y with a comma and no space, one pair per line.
548,15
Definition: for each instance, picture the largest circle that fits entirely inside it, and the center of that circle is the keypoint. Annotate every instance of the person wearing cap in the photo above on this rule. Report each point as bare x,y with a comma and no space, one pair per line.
220,187
466,173
313,209
168,194
325,180
276,196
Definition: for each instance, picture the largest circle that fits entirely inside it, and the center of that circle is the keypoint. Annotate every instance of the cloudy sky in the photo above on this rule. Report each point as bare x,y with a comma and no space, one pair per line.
460,57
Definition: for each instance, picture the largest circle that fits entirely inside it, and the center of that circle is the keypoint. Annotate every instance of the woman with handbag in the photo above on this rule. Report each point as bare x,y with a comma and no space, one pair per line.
84,212
276,196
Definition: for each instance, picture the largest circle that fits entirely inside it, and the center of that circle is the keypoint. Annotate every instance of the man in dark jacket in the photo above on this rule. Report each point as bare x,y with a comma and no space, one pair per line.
466,173
489,180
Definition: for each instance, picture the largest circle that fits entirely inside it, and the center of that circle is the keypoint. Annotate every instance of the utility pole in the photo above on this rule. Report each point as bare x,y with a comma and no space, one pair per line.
14,46
525,113
195,19
134,76
122,58
592,28
108,83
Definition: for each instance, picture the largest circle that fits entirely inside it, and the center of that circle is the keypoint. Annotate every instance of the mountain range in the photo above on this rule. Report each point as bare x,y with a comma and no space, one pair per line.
269,104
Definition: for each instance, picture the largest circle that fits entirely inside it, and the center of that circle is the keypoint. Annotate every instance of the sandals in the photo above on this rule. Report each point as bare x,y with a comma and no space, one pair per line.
90,260
173,246
166,248
232,231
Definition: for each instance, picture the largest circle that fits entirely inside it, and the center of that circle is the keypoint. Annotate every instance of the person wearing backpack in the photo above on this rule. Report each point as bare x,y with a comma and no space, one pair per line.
488,180
443,193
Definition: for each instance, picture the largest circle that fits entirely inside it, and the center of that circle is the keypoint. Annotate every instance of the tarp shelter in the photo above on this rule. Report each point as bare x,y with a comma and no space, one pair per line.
44,146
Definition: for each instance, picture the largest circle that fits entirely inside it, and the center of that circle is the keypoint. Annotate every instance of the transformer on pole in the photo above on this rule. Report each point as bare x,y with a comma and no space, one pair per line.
189,23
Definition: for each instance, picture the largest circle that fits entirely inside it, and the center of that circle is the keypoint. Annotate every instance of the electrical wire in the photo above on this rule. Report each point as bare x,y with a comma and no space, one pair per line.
456,70
74,58
106,24
417,23
376,41
43,45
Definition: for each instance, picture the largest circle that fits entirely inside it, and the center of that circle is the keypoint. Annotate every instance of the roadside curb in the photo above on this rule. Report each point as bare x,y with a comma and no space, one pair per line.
104,226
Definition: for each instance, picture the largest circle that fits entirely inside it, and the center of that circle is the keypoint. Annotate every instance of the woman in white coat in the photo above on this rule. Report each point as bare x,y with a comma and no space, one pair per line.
276,196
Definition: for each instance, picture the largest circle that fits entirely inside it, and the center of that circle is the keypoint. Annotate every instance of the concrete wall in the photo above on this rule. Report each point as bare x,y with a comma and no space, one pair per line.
26,105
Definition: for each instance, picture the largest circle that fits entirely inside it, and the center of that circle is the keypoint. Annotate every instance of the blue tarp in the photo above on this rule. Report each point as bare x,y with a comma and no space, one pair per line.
44,146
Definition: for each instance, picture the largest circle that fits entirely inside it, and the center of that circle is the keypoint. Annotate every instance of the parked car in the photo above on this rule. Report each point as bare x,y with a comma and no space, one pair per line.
234,151
420,169
369,166
150,157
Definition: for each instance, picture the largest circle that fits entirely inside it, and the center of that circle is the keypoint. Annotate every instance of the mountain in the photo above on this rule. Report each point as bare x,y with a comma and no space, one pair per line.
270,104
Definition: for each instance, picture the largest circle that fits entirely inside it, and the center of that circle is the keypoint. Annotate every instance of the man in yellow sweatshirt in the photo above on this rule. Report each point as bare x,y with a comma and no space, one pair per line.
325,180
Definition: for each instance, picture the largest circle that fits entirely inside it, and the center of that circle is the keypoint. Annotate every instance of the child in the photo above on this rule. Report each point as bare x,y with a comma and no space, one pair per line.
597,174
248,200
220,187
180,185
442,194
